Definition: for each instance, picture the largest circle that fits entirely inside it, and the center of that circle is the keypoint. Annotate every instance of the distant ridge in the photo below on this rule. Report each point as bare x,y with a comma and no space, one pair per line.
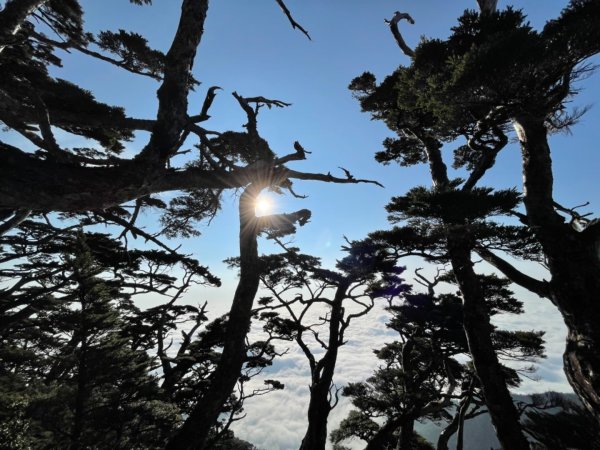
479,432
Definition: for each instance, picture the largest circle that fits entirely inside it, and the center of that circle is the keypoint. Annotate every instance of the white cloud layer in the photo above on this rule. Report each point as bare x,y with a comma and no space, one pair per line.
278,421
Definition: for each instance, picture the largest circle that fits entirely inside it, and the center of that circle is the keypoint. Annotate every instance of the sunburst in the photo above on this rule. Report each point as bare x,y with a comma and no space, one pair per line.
263,206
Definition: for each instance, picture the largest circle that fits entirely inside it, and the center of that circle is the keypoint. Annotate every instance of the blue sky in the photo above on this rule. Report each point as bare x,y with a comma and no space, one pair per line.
249,47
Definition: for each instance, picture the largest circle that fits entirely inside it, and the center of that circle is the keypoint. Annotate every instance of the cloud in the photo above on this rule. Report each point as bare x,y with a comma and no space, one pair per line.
278,421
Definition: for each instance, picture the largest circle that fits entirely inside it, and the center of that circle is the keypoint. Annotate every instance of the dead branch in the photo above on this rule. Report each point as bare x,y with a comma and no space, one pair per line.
288,14
393,23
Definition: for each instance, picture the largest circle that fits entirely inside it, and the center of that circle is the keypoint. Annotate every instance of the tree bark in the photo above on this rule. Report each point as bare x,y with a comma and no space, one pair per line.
173,93
573,261
194,432
315,437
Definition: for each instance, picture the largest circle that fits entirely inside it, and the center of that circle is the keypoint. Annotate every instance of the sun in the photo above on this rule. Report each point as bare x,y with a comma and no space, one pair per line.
263,206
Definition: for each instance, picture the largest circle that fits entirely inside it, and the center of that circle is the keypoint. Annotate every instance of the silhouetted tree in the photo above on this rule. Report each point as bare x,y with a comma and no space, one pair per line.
467,86
303,289
420,376
570,425
99,185
80,381
495,71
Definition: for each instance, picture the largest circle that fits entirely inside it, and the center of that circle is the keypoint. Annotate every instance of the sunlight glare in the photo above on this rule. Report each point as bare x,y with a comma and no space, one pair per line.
263,206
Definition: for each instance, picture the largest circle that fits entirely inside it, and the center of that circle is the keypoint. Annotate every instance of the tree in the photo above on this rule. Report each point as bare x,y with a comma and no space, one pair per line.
79,380
83,179
97,183
444,223
51,338
303,289
571,426
420,377
195,431
494,72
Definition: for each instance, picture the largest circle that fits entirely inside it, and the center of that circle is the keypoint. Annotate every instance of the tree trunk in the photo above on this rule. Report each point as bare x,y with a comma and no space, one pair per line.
447,433
80,396
315,437
194,432
462,412
573,260
458,420
478,331
476,320
385,436
319,407
407,435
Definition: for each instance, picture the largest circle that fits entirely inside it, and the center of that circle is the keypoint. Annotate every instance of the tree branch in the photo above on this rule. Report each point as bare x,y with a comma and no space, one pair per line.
12,17
172,94
393,23
288,14
541,288
19,216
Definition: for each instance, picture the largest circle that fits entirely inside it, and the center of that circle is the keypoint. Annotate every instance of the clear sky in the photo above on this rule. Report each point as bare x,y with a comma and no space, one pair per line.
249,47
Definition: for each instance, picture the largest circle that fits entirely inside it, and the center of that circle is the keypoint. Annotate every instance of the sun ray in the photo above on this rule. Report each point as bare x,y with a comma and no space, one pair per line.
263,206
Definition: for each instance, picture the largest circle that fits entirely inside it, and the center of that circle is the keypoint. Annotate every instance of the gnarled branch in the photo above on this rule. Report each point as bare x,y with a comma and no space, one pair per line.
393,23
538,287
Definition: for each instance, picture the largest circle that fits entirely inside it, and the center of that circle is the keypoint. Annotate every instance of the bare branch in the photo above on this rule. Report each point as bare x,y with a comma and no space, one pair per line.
327,178
423,281
208,100
393,23
288,14
298,155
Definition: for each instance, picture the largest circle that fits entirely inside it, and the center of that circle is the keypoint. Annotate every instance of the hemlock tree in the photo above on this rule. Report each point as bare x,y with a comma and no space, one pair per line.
494,72
443,224
49,339
572,426
57,178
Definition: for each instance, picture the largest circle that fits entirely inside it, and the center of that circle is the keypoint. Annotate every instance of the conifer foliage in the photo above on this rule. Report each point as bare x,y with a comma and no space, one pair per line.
494,71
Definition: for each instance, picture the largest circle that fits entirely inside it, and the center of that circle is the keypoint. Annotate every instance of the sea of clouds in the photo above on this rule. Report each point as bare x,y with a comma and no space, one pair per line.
277,421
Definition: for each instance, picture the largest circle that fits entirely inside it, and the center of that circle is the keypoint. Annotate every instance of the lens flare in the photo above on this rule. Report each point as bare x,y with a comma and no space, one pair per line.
263,206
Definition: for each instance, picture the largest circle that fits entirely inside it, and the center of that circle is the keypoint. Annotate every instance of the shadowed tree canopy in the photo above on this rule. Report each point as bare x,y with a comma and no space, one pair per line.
495,71
421,376
94,176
